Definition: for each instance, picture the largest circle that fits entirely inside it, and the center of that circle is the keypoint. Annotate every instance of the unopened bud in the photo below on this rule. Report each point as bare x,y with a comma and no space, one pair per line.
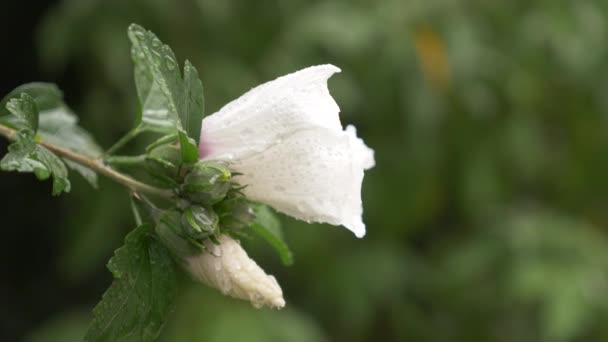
207,183
199,222
163,161
227,267
169,230
236,212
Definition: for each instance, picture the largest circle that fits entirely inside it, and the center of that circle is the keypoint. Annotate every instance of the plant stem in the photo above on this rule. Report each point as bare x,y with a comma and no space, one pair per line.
125,160
96,165
124,140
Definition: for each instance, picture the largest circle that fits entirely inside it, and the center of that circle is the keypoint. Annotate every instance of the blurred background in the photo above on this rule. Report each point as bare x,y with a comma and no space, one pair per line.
487,211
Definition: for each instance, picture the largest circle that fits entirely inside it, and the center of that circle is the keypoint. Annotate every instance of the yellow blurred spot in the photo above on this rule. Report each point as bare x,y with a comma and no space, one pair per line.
430,49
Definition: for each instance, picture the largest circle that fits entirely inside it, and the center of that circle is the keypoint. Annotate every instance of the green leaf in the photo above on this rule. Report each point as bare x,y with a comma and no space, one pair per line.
25,110
137,304
169,102
17,158
55,123
158,80
155,115
60,127
56,167
188,147
46,95
26,156
268,226
89,175
192,115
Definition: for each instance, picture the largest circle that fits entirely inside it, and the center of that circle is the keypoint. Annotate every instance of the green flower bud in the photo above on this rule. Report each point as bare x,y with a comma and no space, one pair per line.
170,232
199,222
163,161
235,211
207,183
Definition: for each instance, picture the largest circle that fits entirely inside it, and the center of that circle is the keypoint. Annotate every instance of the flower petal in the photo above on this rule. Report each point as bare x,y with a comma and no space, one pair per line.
270,112
313,175
286,139
228,268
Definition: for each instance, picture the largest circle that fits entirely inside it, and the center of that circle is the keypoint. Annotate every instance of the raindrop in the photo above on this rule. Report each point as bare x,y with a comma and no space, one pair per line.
155,42
139,34
246,131
226,284
170,63
256,299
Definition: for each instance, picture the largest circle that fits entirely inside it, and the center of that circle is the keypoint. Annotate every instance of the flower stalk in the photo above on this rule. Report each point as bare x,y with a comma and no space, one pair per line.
96,165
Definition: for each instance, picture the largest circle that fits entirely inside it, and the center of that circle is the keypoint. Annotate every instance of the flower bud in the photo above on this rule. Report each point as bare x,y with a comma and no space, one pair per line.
207,183
199,222
169,230
164,160
228,268
236,211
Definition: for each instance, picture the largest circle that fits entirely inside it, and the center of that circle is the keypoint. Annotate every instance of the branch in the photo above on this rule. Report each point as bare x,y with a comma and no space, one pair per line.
96,165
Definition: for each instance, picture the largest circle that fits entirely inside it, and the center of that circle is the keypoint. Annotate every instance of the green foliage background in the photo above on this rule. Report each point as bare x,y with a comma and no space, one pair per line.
487,211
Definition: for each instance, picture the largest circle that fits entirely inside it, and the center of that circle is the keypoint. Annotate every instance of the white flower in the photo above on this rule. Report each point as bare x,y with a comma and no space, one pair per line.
286,139
228,268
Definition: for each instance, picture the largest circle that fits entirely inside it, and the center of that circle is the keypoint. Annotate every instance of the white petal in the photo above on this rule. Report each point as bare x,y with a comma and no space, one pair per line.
286,138
313,175
360,150
270,112
228,268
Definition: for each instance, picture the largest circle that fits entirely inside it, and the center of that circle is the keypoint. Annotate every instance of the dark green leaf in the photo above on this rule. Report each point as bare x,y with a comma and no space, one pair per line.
89,175
25,110
60,127
169,102
17,158
268,226
194,105
188,147
56,167
46,95
26,156
40,107
158,80
141,296
155,115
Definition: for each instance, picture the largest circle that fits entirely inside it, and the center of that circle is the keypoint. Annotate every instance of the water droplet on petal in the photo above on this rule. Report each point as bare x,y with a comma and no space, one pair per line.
226,284
256,299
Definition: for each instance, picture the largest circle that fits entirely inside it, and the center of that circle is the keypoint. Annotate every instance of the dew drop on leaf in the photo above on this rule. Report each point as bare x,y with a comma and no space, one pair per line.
155,42
170,63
